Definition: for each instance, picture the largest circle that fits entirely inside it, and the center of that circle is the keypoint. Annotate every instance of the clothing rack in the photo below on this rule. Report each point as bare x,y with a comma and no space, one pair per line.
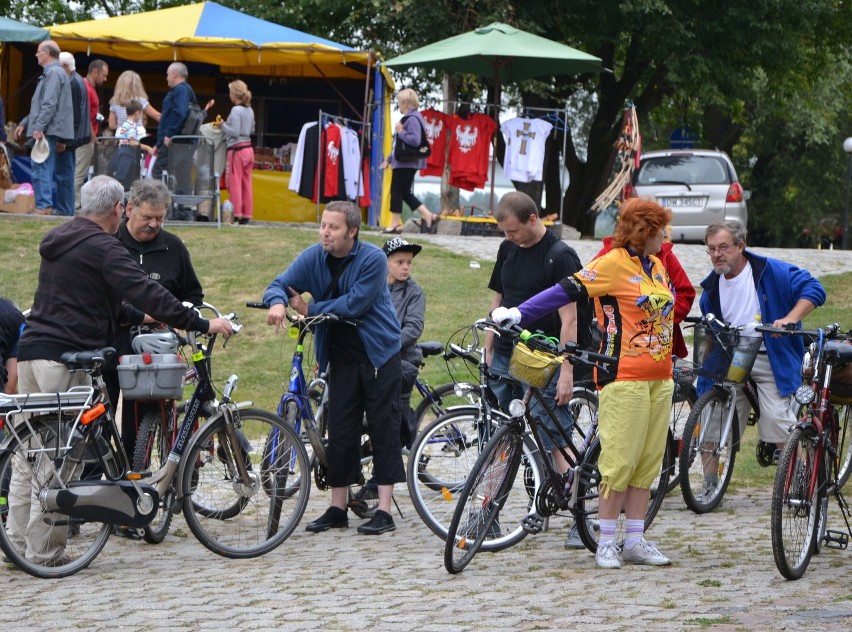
326,117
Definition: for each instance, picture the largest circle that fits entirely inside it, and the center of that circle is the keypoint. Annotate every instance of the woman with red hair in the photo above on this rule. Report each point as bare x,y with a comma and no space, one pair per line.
634,305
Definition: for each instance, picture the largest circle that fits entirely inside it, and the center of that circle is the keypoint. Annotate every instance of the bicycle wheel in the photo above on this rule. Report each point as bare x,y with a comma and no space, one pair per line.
705,468
843,467
795,504
44,544
683,401
270,510
441,400
584,407
482,498
588,495
441,460
153,444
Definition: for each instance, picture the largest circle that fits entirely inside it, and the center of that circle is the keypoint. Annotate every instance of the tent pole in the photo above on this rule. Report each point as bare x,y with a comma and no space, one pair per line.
495,144
564,164
364,115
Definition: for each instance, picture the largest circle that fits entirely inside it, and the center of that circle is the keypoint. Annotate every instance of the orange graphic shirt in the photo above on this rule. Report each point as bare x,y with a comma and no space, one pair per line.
635,313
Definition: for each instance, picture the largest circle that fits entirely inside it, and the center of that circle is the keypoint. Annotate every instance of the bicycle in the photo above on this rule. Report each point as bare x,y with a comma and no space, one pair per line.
814,463
683,401
711,435
494,474
444,453
213,470
159,419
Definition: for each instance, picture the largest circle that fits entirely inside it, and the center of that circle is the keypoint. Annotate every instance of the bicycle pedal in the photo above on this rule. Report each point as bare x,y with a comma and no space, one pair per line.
533,524
132,476
836,540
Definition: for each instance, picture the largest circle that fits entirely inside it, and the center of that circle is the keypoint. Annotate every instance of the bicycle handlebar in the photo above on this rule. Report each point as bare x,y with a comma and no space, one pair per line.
831,332
571,349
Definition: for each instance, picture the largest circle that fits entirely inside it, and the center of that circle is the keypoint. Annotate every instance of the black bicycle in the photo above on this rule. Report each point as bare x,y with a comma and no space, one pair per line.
535,361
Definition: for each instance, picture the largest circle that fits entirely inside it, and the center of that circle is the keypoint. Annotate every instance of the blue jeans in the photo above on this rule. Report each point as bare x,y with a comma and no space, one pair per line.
506,392
58,168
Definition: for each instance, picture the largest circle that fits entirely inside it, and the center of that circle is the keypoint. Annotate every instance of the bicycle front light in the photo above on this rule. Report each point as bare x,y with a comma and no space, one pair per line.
516,408
805,395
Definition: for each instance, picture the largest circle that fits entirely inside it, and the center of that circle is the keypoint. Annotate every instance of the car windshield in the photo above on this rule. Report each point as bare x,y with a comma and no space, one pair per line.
687,169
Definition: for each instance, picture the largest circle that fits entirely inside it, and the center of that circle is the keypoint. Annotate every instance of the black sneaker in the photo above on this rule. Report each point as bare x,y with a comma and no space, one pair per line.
333,518
378,524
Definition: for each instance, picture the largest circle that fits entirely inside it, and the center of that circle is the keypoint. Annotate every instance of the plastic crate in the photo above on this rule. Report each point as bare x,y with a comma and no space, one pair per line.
161,378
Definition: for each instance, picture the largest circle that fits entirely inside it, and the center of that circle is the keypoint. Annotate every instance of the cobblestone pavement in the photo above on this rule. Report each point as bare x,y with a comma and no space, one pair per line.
723,576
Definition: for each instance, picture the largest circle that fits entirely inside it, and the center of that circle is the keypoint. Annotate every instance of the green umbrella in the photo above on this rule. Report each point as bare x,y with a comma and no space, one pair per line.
502,52
13,31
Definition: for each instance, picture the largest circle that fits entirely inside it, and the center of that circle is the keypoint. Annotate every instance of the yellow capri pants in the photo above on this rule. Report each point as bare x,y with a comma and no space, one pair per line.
632,424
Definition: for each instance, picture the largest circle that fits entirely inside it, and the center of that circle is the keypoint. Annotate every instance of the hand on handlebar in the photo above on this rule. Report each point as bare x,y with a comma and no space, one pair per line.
220,326
506,316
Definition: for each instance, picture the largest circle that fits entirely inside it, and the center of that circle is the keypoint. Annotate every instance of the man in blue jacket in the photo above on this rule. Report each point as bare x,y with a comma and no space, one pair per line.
348,277
744,285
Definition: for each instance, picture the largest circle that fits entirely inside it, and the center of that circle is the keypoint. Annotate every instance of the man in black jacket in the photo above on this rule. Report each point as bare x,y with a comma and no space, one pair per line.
86,275
164,258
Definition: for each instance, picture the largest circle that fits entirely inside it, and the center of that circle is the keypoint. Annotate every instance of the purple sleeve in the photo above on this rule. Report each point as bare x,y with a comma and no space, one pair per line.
543,303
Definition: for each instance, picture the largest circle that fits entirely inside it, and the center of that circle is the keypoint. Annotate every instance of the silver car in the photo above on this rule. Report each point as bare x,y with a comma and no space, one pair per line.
699,186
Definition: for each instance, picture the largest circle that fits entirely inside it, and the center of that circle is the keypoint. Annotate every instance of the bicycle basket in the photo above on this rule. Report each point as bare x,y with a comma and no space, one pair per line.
724,355
159,378
535,368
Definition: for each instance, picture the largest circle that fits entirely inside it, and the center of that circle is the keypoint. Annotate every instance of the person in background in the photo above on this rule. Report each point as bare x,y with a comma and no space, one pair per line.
348,277
409,301
635,309
238,129
129,86
95,78
410,130
410,305
11,320
741,286
80,103
51,117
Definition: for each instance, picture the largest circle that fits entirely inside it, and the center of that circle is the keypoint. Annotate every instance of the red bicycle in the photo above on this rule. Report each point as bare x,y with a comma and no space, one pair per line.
814,464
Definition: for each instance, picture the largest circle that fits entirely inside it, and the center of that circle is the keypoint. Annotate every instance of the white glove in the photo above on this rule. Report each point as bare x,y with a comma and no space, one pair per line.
506,316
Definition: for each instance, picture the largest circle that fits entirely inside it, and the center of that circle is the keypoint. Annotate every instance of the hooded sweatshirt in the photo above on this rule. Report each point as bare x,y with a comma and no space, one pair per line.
87,284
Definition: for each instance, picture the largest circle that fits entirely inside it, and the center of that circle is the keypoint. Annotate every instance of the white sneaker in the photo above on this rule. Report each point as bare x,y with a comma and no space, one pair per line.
608,555
645,553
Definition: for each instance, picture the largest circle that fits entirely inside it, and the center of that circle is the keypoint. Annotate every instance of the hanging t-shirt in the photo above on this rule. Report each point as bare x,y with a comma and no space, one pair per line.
300,162
525,140
351,154
470,150
437,124
333,163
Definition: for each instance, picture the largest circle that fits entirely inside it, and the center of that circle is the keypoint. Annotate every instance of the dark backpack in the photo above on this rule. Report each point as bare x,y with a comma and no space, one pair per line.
588,335
194,118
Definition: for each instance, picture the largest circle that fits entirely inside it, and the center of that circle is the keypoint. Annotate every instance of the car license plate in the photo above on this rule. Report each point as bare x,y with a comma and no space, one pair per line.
684,202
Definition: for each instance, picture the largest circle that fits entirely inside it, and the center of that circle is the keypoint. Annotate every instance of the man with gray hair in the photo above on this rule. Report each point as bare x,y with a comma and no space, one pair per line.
744,285
172,119
88,283
164,258
51,117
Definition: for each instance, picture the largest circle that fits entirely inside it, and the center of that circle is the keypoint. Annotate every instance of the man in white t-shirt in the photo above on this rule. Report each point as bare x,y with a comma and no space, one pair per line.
744,285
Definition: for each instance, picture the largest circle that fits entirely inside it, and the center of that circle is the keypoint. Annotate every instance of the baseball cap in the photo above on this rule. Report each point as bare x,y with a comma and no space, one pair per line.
40,152
398,244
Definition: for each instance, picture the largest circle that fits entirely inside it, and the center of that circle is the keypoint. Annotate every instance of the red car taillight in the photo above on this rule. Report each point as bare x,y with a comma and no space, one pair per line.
735,193
629,191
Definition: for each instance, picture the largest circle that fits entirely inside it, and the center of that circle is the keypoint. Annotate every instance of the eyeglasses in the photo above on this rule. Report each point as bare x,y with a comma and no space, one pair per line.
720,249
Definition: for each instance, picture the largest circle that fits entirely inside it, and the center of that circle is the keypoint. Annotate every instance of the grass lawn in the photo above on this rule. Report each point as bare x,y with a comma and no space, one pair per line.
236,264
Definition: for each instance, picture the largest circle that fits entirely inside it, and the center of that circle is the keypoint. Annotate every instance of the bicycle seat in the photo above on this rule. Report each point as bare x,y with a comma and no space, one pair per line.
838,352
87,360
431,348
